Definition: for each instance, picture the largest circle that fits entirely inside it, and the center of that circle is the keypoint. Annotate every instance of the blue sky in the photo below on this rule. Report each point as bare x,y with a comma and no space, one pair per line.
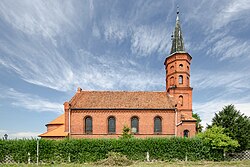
49,48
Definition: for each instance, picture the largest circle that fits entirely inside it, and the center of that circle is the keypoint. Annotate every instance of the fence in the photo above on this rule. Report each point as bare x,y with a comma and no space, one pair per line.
244,155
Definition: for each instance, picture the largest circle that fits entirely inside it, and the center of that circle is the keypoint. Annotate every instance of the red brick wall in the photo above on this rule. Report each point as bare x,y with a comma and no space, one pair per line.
123,117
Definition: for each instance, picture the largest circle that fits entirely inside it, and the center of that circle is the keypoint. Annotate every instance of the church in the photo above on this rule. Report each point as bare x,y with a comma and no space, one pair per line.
103,114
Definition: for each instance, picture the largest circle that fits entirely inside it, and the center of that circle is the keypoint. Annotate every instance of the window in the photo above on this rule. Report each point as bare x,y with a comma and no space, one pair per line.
88,124
111,124
134,125
172,81
181,66
186,133
187,81
181,100
180,79
172,68
157,125
188,68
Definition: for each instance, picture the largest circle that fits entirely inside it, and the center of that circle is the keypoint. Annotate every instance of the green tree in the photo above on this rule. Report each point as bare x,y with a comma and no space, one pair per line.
217,139
198,123
235,124
126,133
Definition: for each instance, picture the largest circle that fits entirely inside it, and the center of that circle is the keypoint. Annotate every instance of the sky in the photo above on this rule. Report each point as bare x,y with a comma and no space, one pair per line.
49,48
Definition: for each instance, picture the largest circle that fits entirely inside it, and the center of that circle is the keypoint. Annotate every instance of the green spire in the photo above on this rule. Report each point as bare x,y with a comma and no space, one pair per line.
177,40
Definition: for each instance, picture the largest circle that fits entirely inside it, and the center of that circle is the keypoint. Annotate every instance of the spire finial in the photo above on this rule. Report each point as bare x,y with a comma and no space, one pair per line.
177,40
177,12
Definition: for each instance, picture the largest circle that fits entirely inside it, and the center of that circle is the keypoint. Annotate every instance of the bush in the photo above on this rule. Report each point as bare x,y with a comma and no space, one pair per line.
92,150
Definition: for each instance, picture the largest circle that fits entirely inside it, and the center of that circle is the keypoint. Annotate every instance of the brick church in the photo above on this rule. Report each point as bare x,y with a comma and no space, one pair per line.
103,114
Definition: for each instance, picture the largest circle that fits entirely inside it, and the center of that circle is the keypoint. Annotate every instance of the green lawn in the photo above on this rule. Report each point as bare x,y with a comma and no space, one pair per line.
245,163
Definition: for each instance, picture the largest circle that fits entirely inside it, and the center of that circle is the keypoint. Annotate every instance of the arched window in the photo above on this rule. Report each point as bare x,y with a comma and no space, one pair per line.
172,68
181,66
180,79
186,133
157,125
88,124
172,81
181,100
134,125
111,124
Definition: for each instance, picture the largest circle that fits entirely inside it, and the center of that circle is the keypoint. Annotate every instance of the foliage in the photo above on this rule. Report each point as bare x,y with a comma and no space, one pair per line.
126,133
235,124
216,138
199,127
115,159
92,150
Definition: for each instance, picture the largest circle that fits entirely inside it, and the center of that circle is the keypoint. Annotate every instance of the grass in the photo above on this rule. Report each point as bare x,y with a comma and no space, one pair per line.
245,163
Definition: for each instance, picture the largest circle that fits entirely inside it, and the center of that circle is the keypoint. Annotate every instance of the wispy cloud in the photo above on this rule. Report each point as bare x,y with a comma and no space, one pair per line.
20,135
233,10
203,79
207,110
230,47
32,102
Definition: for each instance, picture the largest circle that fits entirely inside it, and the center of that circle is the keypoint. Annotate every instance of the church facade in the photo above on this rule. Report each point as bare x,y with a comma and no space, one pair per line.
103,114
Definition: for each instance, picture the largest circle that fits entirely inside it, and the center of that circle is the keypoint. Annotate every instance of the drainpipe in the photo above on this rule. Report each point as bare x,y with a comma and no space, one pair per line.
176,116
69,120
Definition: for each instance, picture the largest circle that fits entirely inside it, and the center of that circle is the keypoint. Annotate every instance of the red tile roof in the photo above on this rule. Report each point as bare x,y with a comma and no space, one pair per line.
58,132
58,120
122,100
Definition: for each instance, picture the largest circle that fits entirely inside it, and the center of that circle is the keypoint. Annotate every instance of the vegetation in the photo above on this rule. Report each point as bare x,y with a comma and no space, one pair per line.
126,133
152,164
92,150
215,138
235,124
199,127
115,159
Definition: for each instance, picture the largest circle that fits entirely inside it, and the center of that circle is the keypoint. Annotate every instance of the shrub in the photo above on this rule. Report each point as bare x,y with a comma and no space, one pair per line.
92,150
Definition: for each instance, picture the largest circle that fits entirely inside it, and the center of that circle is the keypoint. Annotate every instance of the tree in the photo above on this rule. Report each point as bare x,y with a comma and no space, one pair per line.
235,124
198,123
217,139
126,133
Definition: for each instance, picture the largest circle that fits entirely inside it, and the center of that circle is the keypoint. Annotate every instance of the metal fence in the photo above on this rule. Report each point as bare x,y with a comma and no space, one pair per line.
244,155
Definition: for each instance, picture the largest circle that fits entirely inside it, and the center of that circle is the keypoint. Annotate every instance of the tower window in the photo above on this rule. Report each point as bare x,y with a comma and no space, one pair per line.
111,124
188,68
172,68
172,81
181,100
181,65
157,125
186,133
88,125
134,125
187,81
180,79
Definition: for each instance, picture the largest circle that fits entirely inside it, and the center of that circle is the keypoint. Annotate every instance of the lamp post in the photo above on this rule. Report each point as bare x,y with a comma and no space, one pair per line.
5,137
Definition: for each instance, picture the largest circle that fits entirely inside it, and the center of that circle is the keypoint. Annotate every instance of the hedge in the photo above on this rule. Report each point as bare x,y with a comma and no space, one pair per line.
90,150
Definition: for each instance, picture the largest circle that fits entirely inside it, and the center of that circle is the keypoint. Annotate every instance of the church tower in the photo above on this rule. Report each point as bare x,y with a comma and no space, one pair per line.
177,66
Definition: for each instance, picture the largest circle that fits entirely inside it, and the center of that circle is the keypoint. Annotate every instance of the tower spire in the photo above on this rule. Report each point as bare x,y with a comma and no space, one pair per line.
177,39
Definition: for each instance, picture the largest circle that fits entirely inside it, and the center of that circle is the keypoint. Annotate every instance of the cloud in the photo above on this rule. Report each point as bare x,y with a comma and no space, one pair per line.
230,47
36,17
146,40
207,110
32,102
228,80
3,131
20,135
232,11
